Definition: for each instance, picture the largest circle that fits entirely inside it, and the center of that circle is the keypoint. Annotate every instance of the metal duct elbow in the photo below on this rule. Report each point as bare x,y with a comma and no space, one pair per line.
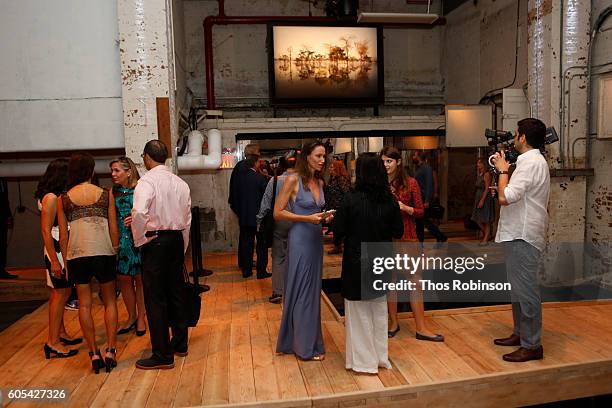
194,159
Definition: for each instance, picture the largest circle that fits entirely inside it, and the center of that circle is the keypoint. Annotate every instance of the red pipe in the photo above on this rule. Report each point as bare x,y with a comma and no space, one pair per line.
221,12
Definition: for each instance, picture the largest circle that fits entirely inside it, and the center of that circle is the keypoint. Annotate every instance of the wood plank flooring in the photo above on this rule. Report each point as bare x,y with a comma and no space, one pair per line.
232,360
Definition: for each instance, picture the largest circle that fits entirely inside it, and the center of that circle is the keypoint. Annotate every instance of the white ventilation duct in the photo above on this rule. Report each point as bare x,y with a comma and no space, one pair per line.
193,159
36,168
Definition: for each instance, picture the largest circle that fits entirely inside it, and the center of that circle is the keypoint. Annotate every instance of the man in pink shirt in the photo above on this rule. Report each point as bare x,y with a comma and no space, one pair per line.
161,218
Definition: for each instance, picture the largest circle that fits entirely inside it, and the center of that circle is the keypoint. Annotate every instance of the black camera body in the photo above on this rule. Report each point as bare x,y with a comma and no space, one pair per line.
502,140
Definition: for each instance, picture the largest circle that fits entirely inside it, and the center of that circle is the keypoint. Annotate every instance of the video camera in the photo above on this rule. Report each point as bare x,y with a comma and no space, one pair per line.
502,140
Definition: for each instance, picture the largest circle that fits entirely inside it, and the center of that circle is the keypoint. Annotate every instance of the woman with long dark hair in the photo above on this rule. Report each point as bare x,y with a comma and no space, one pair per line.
90,251
301,201
408,195
50,187
129,267
368,214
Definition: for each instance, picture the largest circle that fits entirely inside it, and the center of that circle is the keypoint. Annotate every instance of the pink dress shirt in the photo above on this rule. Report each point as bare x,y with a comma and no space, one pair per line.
162,201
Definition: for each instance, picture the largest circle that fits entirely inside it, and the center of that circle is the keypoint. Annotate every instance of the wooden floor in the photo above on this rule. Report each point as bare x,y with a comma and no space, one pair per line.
232,361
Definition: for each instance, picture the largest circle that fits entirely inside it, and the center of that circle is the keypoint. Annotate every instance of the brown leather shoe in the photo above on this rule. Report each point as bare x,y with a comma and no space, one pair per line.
522,354
512,340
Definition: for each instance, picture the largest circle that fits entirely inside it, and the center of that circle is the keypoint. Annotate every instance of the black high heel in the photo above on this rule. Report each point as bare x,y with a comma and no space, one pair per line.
127,329
69,342
50,352
392,333
98,363
111,362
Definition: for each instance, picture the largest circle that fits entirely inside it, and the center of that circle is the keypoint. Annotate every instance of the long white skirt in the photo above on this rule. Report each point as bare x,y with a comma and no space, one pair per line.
366,335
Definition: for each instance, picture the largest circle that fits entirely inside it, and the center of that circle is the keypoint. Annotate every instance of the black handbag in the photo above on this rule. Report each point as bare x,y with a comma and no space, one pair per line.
193,302
266,228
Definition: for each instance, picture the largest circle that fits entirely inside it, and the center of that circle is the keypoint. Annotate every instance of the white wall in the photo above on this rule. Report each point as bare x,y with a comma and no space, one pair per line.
599,187
60,87
478,49
178,22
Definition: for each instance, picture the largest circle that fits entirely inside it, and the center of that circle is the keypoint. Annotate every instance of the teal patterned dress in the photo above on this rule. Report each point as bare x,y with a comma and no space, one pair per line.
129,256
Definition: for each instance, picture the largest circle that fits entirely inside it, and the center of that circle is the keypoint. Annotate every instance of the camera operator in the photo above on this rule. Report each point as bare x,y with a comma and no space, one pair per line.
522,229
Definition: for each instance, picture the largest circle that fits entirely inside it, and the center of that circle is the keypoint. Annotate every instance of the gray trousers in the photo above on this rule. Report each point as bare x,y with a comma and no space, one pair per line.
522,269
279,256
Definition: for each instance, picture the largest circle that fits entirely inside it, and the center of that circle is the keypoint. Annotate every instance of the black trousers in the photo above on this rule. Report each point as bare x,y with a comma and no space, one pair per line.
246,247
425,222
163,283
3,243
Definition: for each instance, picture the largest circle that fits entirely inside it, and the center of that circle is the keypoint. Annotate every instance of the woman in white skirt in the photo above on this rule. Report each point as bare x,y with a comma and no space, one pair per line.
370,213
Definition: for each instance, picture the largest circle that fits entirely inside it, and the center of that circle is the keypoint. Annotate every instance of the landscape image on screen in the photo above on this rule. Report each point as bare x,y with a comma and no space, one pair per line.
325,62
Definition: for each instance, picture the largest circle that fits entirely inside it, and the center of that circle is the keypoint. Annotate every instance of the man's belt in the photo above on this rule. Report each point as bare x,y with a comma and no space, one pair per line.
158,233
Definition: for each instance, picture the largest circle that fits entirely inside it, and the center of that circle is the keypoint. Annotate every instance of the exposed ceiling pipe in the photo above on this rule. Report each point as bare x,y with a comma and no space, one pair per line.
36,168
222,19
193,159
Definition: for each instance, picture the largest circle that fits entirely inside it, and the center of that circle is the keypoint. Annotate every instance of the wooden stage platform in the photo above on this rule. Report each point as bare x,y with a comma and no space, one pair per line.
232,361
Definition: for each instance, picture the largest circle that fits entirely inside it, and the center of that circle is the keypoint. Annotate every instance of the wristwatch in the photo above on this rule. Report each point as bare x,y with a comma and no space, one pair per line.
503,172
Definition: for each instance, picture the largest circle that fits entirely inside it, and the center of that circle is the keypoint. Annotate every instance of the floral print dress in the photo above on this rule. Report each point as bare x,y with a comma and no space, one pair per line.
129,256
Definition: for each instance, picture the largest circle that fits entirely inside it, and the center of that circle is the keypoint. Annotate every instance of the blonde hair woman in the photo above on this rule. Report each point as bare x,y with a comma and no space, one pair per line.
125,176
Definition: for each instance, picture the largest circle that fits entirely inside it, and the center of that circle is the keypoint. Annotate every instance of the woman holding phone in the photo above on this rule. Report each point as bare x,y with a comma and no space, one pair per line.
125,176
301,201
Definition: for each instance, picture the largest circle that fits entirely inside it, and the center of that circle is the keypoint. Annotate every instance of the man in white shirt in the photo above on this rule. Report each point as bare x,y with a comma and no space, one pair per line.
522,228
161,219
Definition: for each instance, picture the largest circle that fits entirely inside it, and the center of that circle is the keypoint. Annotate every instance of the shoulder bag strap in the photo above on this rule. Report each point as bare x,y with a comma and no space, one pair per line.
274,193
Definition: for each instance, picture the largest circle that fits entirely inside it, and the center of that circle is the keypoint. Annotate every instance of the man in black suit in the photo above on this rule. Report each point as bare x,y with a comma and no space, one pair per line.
6,222
247,187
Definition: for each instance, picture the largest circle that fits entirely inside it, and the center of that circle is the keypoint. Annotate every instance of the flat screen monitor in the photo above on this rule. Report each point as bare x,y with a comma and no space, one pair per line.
325,65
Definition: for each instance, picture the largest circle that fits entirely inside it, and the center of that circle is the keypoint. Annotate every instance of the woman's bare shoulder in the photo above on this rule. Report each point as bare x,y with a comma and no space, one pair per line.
291,180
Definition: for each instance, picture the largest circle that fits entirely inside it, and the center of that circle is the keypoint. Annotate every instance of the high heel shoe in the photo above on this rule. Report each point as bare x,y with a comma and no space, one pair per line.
110,362
436,338
71,342
392,333
98,363
127,329
51,352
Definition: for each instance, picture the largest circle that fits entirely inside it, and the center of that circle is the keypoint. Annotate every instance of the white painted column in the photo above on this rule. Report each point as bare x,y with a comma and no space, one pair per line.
558,45
144,38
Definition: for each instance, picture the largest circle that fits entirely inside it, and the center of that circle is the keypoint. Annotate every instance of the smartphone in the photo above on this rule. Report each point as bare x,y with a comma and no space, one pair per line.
327,213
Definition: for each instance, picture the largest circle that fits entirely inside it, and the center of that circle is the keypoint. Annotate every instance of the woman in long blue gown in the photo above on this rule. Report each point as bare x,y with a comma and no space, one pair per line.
301,201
